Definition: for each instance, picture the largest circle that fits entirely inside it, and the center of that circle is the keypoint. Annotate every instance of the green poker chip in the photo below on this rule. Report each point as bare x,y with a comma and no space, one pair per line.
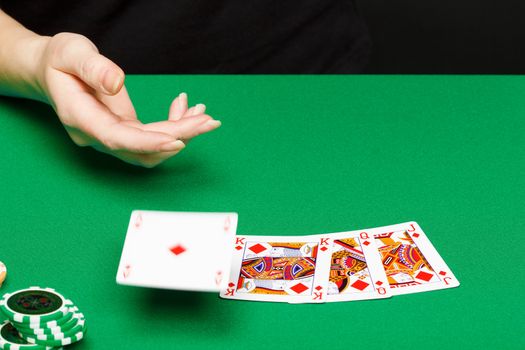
61,328
57,342
34,305
76,329
49,324
10,340
39,319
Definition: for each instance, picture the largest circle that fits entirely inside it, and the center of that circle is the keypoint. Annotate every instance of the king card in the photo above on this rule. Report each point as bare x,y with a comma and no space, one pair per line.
279,268
410,261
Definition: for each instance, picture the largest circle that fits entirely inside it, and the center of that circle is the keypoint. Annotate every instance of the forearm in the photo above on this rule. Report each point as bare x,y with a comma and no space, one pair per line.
20,53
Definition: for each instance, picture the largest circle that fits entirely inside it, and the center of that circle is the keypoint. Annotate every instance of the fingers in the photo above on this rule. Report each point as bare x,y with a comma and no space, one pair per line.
199,109
196,110
178,107
189,112
120,137
186,128
96,121
77,55
144,160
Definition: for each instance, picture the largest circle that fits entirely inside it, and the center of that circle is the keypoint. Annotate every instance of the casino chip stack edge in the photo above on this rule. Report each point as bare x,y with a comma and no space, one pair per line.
39,319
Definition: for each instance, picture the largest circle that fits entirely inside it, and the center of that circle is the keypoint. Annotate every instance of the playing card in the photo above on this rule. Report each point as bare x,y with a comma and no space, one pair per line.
410,261
356,271
177,250
279,268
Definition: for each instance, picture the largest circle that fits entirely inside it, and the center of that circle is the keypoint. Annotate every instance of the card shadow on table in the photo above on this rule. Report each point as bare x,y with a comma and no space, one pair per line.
184,310
103,166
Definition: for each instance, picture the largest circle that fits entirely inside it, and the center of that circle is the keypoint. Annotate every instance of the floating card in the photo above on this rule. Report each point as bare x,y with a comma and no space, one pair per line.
278,268
410,261
177,250
356,271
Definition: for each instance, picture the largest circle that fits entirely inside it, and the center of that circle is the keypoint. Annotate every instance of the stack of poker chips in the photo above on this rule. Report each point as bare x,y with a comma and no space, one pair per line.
39,319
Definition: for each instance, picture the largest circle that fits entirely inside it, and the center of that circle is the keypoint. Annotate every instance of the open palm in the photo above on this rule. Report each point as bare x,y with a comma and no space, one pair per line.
88,94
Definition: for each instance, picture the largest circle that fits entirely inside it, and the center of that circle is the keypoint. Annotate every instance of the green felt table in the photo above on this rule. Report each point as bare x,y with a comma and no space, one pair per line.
295,155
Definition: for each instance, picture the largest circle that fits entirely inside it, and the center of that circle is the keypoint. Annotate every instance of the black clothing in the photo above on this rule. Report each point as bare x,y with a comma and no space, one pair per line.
203,36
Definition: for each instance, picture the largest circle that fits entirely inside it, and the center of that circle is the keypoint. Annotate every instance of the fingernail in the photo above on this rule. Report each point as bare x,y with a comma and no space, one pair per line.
199,109
117,83
182,95
172,146
112,81
214,123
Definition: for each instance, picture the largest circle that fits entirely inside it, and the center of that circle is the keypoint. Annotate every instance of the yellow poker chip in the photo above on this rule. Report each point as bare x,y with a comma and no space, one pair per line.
3,273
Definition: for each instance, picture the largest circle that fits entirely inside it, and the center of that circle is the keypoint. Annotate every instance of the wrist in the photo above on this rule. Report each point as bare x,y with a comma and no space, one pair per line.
35,67
31,66
21,64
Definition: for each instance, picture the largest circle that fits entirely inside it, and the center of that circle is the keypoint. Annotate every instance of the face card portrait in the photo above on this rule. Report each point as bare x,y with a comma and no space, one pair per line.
282,269
410,261
356,272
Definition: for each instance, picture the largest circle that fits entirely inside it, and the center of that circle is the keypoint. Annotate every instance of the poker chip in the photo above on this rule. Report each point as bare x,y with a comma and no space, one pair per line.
77,328
40,319
49,324
34,305
54,337
58,342
3,273
75,320
52,327
9,339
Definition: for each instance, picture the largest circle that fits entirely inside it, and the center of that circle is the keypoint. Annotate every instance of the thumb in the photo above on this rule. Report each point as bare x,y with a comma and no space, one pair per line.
77,55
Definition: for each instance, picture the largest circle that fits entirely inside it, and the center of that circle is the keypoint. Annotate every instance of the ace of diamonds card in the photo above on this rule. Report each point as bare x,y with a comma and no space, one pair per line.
177,250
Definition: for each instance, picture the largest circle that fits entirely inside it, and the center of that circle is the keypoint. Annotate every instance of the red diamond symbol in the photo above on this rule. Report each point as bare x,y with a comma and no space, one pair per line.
415,235
178,249
442,273
238,247
258,248
359,285
231,284
366,243
299,288
379,283
324,248
318,288
425,276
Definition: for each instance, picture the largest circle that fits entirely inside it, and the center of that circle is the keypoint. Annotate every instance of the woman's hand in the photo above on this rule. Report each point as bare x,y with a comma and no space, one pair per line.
88,94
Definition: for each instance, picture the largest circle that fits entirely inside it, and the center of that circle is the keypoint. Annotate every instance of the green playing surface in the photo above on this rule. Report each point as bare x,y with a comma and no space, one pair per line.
295,155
